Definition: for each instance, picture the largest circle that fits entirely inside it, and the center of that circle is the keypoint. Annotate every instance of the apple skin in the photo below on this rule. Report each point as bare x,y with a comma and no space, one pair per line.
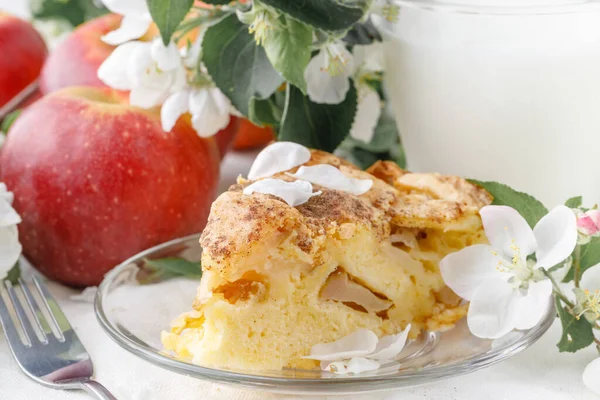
97,181
76,60
23,53
250,136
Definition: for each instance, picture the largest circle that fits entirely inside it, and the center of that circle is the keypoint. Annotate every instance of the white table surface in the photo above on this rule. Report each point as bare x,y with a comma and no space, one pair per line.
540,372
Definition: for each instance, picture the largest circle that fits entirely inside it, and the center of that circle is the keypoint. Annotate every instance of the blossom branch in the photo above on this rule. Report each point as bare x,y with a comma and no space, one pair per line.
577,265
557,290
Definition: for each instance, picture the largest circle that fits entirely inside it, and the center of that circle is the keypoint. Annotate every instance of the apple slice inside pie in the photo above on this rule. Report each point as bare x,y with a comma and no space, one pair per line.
278,279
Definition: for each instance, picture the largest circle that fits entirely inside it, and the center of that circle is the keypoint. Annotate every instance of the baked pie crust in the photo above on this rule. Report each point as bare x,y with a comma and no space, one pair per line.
279,279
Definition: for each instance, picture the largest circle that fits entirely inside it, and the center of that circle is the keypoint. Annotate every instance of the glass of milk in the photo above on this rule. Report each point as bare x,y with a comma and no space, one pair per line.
504,90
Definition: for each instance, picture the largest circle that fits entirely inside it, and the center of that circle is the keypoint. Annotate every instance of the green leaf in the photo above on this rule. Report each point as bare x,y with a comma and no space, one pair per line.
265,112
237,65
329,15
362,33
320,126
288,47
74,11
167,268
590,256
13,274
9,120
530,208
577,333
168,14
574,202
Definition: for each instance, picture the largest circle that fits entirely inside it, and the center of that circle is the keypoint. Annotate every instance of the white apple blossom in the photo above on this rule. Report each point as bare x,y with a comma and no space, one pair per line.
361,351
135,23
209,107
328,74
151,71
387,9
10,248
278,157
506,289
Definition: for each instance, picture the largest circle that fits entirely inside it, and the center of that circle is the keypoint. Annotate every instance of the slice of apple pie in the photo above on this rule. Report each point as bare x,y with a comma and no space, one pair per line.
279,278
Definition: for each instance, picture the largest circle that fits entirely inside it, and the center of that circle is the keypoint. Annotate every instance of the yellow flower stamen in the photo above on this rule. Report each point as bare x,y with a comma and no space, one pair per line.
260,27
591,303
336,61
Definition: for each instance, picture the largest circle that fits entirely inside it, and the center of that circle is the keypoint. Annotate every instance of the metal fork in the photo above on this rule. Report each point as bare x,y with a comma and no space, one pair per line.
54,358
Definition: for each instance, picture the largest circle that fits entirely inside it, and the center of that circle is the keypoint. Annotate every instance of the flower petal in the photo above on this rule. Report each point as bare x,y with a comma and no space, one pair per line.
590,376
465,270
369,58
491,312
10,248
590,279
356,365
530,309
5,194
175,105
210,112
357,344
146,97
126,7
337,367
330,177
390,346
367,115
278,157
132,27
556,236
166,57
321,85
113,71
293,193
8,215
504,228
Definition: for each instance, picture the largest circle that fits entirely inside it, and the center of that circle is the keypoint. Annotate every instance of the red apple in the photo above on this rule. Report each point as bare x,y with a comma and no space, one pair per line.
250,136
76,60
23,53
96,181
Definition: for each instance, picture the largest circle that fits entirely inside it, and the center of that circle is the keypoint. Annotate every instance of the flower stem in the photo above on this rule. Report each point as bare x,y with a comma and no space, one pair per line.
557,291
577,265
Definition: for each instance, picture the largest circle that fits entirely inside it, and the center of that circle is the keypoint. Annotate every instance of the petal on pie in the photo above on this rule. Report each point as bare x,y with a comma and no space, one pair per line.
330,177
278,157
293,193
390,346
357,344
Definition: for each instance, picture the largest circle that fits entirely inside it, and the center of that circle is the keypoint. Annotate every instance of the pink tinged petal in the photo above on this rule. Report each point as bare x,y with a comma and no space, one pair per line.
332,178
590,279
390,346
505,228
467,269
357,344
491,312
8,215
595,217
591,376
278,157
294,193
132,27
176,105
367,115
166,57
114,70
10,248
586,225
530,309
556,236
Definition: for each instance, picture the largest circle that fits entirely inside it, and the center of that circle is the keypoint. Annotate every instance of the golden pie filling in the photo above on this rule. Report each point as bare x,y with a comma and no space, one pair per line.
279,279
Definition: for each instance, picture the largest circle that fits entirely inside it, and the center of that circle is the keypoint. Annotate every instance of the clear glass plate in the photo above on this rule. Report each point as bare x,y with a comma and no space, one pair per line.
134,314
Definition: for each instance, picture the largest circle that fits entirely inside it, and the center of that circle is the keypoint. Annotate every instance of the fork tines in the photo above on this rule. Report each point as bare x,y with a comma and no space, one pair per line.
29,311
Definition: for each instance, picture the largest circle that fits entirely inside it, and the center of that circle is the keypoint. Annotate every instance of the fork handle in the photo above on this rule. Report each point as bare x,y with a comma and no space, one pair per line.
95,388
